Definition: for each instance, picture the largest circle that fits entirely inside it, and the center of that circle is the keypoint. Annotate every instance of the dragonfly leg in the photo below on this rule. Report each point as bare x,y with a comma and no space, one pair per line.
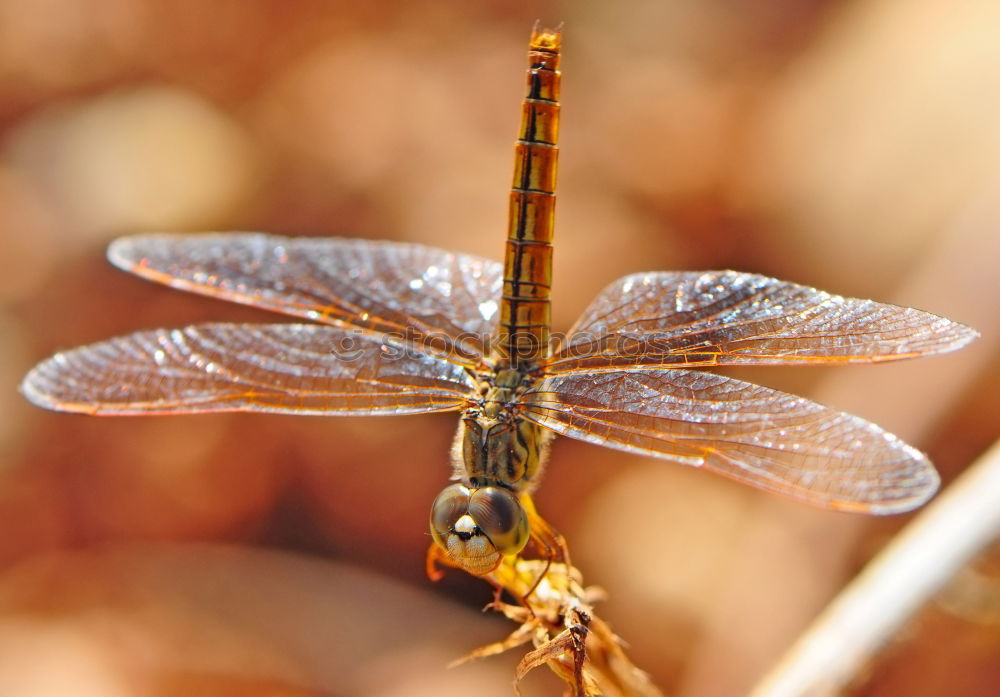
534,586
547,543
434,555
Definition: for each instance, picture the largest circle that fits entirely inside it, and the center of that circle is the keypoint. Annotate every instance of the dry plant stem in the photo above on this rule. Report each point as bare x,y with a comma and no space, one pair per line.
558,618
939,542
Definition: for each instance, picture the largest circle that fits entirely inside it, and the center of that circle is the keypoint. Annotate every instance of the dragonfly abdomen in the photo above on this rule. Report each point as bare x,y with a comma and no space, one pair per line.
525,315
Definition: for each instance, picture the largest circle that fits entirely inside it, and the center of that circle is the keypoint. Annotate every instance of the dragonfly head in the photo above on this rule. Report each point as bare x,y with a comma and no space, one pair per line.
477,527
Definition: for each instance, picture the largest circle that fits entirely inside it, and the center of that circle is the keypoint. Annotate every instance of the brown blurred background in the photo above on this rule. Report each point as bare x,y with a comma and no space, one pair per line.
850,145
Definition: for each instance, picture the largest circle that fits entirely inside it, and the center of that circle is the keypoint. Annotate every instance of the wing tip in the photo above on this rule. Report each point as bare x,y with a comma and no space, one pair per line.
116,252
964,335
34,389
29,391
126,251
923,483
121,251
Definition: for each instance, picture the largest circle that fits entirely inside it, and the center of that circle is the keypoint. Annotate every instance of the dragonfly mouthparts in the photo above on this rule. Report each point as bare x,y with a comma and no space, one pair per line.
465,527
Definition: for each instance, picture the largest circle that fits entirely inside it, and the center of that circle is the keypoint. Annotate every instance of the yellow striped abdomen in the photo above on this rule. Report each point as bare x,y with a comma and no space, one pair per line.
525,316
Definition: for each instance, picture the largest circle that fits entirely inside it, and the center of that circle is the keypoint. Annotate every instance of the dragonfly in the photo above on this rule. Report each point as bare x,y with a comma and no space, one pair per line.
384,327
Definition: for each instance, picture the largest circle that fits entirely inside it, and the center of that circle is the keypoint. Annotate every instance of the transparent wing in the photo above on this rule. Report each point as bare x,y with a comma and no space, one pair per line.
765,438
288,368
728,317
434,298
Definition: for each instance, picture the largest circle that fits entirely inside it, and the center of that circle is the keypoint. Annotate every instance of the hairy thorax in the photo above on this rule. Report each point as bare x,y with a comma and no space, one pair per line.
495,445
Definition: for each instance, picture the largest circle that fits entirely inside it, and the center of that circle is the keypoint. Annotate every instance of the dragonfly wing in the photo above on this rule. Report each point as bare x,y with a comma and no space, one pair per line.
285,368
437,299
769,439
728,317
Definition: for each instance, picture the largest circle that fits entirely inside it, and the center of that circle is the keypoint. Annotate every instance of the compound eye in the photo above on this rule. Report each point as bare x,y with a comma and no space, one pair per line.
450,505
501,517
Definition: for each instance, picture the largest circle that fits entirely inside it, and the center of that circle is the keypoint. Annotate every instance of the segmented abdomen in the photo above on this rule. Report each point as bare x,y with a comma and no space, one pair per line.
525,316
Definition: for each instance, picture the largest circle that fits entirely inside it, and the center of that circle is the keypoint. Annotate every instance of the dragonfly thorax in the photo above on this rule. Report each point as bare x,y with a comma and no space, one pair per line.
495,444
